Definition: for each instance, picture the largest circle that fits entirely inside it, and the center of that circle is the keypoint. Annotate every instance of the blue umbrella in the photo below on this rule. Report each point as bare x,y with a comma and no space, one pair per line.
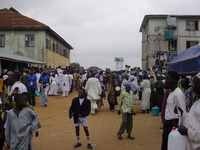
187,62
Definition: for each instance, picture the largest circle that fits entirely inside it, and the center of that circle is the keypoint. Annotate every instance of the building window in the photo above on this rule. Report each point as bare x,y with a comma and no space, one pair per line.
191,43
191,25
48,44
172,45
29,40
57,48
54,47
2,40
66,53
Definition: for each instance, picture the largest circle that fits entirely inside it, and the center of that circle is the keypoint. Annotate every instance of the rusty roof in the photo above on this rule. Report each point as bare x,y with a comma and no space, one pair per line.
10,18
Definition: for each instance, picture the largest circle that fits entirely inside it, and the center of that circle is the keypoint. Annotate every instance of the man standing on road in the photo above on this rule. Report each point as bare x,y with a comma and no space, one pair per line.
126,107
44,80
93,89
175,98
190,121
32,86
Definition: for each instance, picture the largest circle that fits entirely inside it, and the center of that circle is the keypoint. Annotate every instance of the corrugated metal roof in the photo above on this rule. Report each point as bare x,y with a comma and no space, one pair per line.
17,58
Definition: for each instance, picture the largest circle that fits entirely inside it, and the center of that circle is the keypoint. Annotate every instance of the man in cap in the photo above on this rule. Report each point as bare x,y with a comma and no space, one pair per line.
44,80
175,98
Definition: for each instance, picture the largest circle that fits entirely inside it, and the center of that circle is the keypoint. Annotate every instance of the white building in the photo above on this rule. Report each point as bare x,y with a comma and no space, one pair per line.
165,36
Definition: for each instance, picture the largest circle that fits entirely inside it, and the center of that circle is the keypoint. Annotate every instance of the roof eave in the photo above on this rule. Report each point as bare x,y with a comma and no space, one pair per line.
147,17
60,38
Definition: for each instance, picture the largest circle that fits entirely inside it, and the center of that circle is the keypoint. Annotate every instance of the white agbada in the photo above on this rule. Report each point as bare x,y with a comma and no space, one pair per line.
37,81
60,76
191,121
65,85
146,93
70,79
53,90
93,89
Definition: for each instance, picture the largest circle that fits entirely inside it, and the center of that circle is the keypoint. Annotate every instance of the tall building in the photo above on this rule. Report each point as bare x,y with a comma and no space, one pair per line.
25,41
165,36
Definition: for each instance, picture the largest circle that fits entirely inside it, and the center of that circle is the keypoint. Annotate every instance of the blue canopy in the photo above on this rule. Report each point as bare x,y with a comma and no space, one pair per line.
187,62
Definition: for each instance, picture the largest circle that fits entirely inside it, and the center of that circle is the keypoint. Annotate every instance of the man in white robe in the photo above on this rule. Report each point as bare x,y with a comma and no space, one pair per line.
59,79
65,85
53,90
38,74
93,89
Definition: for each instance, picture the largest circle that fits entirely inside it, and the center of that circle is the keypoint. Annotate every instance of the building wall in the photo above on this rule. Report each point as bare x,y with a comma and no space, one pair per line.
153,38
60,56
184,35
15,44
54,60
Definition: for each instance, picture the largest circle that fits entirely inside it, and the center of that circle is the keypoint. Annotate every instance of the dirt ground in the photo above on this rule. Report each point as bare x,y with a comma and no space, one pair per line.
57,131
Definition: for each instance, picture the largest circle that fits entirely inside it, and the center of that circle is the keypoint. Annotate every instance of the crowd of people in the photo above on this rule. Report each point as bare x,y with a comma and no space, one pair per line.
169,91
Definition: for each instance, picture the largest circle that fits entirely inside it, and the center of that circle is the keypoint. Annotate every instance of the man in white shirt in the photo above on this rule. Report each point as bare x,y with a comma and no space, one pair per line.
190,125
16,86
175,98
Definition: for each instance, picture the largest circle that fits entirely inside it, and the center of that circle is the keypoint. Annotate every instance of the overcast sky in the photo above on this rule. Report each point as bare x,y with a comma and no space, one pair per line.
100,30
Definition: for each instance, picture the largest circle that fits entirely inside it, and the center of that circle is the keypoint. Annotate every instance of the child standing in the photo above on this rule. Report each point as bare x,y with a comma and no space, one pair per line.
20,124
80,108
126,107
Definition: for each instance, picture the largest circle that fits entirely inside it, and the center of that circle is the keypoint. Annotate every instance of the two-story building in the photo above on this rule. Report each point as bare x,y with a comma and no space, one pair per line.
165,36
26,41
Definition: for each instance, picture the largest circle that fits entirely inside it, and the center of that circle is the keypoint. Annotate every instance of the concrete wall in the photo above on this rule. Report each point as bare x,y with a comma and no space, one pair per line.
15,44
153,38
54,60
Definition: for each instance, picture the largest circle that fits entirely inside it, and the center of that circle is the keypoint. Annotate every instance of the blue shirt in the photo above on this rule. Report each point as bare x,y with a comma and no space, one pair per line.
32,81
44,79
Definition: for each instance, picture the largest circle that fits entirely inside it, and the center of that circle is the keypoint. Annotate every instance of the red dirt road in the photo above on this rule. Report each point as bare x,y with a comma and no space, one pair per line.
57,131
